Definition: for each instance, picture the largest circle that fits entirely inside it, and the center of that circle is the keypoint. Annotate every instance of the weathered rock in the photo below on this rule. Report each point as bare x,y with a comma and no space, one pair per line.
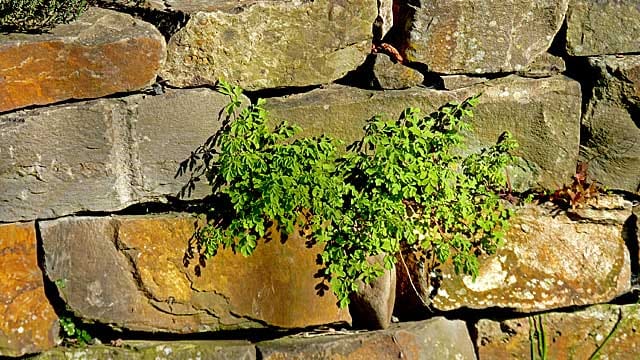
128,272
28,323
144,350
437,338
611,128
101,155
101,53
393,76
603,27
544,65
385,18
477,36
272,44
372,305
543,115
551,259
574,335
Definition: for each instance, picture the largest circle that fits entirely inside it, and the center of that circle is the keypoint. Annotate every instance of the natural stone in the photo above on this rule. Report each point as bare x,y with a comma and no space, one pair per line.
371,306
550,259
454,82
101,53
542,114
544,65
603,27
437,339
145,350
572,336
101,155
478,36
390,75
28,323
611,128
130,272
272,44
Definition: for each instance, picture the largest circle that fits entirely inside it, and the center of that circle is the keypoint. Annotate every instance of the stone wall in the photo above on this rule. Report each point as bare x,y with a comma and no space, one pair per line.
96,115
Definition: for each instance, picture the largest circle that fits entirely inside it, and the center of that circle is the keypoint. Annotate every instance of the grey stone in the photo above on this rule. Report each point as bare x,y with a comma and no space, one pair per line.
550,259
544,65
543,115
372,305
101,155
603,27
570,335
477,36
454,82
389,75
611,127
437,339
272,44
142,350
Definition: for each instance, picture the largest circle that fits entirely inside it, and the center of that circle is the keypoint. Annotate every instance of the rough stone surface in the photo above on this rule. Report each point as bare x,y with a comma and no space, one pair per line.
393,76
454,82
148,350
611,123
478,36
603,27
80,60
28,323
101,155
272,44
437,338
372,305
544,65
128,272
571,336
551,259
542,114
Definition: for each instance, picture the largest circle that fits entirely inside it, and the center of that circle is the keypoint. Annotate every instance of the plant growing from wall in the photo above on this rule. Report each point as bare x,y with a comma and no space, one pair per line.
406,183
38,15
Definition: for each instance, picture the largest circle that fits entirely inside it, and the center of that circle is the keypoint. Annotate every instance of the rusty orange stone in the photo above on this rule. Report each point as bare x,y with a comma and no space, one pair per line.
28,322
101,53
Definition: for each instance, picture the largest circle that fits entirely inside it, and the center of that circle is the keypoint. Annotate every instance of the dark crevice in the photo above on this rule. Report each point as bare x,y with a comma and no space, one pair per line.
168,22
278,92
630,236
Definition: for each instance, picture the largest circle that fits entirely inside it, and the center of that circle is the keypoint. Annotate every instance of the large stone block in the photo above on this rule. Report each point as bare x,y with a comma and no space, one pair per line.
28,322
478,36
542,114
272,44
611,123
572,335
101,53
129,272
101,155
437,339
551,259
603,27
157,350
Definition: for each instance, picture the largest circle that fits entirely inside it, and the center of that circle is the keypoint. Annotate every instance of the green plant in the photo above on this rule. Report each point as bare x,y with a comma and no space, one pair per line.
37,15
537,339
72,333
406,182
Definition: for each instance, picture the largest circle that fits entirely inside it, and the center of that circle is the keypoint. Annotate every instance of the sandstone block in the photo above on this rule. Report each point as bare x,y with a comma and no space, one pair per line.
611,140
437,338
101,53
551,259
477,36
28,323
394,76
101,155
542,114
572,335
129,272
603,27
271,44
372,305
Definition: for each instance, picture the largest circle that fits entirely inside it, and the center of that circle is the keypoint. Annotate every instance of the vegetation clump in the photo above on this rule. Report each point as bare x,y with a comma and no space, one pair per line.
406,183
38,15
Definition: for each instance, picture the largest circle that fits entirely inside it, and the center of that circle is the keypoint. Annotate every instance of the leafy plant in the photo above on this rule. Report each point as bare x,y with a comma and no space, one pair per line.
537,339
38,15
72,333
578,192
405,183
